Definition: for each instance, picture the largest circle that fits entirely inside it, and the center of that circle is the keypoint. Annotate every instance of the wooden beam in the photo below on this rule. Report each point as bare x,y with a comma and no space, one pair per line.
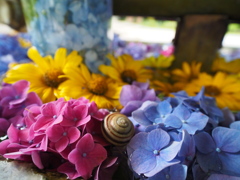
199,37
176,8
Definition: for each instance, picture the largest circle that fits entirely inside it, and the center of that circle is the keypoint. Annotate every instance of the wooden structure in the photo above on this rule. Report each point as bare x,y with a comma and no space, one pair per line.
201,24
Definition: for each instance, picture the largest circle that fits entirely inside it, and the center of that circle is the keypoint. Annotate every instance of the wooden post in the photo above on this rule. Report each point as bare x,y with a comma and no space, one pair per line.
199,37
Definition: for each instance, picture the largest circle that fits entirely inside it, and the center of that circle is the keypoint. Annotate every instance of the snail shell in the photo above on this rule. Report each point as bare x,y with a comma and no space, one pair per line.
117,129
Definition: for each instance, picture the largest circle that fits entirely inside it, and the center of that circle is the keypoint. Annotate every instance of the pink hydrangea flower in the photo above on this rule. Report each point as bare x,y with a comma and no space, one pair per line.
87,155
51,113
75,115
62,136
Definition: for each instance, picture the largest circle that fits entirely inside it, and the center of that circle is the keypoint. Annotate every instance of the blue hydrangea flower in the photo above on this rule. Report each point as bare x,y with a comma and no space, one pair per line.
202,103
219,152
151,113
186,120
79,10
174,172
149,153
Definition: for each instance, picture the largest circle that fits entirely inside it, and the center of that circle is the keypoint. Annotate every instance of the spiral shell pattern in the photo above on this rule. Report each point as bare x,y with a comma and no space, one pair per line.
117,129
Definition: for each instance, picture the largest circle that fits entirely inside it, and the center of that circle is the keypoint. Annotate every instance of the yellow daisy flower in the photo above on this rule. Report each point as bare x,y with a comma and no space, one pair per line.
124,69
187,73
225,88
45,73
161,62
95,87
220,64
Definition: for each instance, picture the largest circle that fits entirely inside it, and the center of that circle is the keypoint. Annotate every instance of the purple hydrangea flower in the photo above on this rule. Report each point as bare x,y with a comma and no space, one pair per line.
149,153
132,96
219,152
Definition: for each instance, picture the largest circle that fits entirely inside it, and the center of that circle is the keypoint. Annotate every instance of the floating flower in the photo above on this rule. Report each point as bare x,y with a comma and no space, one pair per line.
87,155
45,74
132,96
149,153
125,70
95,87
221,86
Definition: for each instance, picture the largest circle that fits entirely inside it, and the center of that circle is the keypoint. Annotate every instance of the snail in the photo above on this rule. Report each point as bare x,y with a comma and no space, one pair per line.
117,129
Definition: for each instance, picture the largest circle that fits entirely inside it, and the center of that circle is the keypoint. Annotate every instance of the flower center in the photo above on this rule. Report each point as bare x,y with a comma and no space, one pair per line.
156,152
212,90
218,150
64,133
98,86
51,78
128,76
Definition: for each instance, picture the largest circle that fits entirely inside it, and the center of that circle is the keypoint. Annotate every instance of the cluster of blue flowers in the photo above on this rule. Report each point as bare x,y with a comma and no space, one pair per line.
11,50
184,137
79,25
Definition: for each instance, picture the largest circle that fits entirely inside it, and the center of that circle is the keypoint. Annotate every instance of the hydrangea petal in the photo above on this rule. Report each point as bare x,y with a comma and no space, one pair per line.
235,125
130,107
140,117
227,139
197,121
151,113
55,132
142,161
149,95
182,112
62,144
178,171
164,108
173,122
210,161
230,163
73,134
171,151
161,164
129,93
37,160
158,139
201,140
86,143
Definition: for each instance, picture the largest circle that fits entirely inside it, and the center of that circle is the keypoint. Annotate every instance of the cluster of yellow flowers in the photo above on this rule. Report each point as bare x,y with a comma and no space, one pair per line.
222,83
65,75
